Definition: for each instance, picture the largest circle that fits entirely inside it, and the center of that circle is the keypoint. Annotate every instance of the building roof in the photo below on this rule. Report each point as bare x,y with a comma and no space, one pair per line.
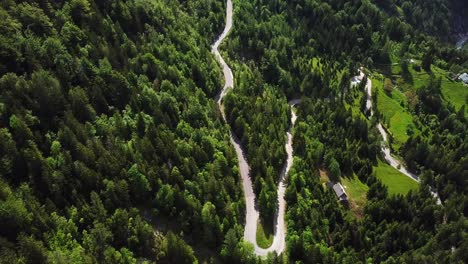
463,77
340,192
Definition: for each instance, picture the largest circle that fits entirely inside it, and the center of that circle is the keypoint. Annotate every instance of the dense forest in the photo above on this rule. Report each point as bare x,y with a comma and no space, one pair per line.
113,149
108,129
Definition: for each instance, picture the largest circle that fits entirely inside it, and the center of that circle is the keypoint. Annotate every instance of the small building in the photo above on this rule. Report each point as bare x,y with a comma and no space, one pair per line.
340,192
463,77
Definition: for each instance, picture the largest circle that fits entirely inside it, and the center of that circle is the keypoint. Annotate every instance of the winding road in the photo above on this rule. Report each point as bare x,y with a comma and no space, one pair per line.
252,214
385,148
395,163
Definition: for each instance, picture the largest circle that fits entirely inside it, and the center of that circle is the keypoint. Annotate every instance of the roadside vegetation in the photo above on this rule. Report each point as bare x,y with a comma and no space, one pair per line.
264,236
396,117
357,194
396,182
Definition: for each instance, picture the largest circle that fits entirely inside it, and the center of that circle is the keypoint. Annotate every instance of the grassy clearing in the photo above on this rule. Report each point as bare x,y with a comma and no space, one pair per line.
396,182
455,92
452,91
396,117
357,193
264,235
356,190
323,176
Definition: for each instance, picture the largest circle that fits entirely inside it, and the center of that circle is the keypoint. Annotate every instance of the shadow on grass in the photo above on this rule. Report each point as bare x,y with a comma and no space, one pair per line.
264,234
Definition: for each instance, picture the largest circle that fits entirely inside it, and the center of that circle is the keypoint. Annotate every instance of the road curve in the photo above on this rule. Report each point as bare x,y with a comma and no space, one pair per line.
228,76
252,214
279,238
384,147
395,163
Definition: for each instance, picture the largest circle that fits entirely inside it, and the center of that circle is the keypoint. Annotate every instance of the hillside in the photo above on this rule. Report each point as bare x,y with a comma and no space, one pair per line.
109,127
217,131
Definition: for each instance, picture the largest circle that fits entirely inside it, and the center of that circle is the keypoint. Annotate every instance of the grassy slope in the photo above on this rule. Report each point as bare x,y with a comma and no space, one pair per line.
356,190
453,91
394,180
396,118
357,193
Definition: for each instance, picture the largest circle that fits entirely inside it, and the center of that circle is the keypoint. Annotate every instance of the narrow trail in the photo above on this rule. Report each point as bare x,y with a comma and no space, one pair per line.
392,161
252,213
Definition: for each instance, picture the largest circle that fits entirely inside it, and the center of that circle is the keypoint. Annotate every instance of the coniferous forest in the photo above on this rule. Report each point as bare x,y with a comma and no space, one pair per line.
114,149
